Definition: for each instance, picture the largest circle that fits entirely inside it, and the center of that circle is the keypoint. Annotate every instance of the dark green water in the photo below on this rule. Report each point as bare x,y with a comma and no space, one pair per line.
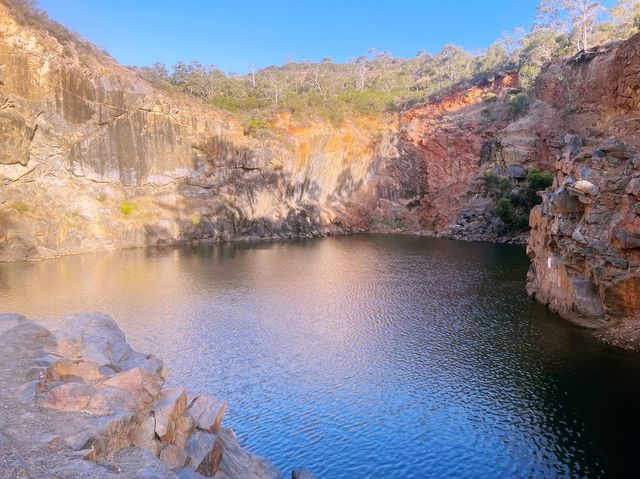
368,356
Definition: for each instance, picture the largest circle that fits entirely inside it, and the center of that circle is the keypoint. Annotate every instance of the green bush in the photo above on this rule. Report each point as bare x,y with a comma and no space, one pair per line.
518,103
127,207
496,186
539,180
254,126
505,211
528,75
513,204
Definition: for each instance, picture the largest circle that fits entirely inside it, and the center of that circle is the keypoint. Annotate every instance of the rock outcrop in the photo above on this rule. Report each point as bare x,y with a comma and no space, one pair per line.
585,237
585,240
93,398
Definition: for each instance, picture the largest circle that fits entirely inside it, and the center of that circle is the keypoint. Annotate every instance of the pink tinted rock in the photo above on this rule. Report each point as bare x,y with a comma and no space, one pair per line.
207,412
76,397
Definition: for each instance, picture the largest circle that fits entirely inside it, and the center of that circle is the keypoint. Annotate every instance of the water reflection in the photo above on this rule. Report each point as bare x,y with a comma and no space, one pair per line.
373,356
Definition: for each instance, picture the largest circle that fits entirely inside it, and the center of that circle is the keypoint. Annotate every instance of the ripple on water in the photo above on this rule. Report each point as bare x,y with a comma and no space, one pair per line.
371,356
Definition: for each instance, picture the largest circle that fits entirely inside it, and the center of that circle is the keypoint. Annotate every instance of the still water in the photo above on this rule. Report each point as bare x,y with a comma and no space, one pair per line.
367,356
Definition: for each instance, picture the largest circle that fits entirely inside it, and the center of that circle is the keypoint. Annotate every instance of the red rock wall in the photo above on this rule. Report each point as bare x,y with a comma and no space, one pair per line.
585,237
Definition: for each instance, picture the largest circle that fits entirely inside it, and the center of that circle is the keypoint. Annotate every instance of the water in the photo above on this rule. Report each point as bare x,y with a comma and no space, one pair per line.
365,357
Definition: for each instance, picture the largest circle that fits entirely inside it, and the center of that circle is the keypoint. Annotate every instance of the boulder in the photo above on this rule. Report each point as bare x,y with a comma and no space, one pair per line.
142,385
173,456
76,397
8,321
583,187
237,462
171,405
94,337
205,452
516,172
144,435
207,412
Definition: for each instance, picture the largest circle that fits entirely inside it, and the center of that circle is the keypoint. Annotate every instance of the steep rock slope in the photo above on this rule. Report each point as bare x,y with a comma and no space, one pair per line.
93,157
585,238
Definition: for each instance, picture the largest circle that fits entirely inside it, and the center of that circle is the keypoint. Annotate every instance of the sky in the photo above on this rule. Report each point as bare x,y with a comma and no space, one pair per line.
234,34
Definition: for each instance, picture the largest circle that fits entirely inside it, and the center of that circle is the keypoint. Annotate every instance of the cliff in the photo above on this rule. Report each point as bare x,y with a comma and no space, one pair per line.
94,157
585,237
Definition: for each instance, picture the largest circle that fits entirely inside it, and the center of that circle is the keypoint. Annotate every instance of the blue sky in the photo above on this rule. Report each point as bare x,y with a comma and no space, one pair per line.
234,34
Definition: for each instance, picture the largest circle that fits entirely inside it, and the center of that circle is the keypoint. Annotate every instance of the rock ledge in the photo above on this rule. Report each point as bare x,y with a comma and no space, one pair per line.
76,390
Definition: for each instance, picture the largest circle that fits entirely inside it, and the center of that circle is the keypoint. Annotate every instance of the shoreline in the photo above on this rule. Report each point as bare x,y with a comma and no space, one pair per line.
78,401
257,239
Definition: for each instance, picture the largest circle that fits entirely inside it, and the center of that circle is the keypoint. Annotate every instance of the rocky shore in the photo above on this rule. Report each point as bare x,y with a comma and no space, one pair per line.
585,240
77,401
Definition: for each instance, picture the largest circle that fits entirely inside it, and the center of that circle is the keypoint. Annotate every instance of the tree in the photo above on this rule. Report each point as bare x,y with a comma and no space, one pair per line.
361,67
625,16
381,64
512,42
299,74
453,63
276,87
317,77
494,59
252,72
575,18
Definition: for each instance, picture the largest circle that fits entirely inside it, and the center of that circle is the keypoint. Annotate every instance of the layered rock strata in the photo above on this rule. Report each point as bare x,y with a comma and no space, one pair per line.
585,237
585,241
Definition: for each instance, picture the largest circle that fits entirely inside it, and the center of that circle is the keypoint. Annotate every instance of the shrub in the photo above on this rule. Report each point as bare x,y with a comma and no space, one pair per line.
539,180
20,207
489,97
195,219
505,211
254,126
127,207
386,222
496,186
528,75
518,103
513,205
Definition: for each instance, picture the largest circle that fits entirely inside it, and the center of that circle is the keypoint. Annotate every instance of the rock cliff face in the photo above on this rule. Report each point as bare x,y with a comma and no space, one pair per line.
93,157
585,238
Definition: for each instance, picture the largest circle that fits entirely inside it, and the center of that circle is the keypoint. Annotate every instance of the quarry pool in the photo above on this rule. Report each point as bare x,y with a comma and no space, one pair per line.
365,356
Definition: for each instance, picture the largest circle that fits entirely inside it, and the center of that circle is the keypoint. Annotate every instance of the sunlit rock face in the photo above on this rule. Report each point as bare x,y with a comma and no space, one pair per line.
585,241
585,237
115,404
92,157
456,140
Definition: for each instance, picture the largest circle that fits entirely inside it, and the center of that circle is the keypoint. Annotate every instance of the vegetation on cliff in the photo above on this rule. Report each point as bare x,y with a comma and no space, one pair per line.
377,82
513,203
